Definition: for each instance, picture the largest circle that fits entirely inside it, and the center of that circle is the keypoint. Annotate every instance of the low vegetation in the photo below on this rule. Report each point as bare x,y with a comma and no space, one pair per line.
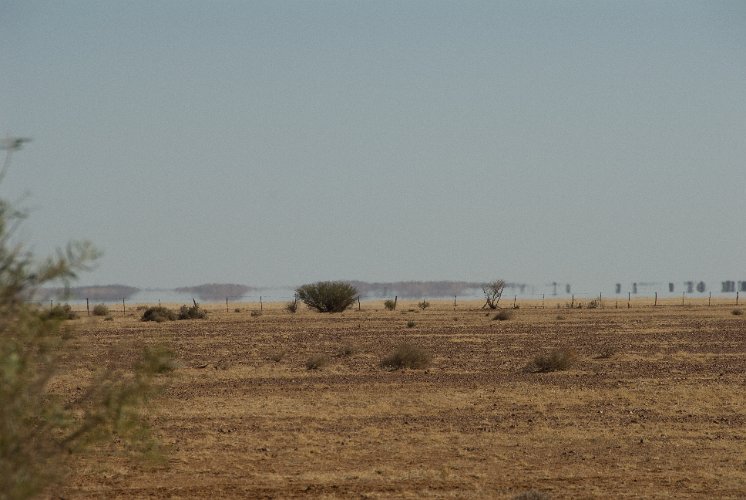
503,315
556,360
191,312
423,305
407,356
411,324
61,312
492,293
100,310
159,314
328,296
737,312
389,305
317,362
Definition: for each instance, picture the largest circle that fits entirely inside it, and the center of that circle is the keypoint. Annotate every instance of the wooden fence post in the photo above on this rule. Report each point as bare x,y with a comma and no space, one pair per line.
87,307
358,302
656,299
396,299
261,304
736,298
226,304
629,299
542,301
709,301
572,301
124,308
683,294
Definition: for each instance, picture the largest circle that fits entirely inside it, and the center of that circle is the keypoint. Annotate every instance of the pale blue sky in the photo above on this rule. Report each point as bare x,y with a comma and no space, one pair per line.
283,142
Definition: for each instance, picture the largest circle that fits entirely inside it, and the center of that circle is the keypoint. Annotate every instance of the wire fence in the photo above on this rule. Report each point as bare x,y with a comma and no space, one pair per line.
581,300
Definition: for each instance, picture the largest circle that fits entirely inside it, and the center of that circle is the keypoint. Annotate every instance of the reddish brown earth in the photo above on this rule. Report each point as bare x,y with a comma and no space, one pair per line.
655,405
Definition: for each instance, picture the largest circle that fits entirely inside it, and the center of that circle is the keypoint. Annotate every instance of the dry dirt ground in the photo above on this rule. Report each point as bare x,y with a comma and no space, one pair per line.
655,405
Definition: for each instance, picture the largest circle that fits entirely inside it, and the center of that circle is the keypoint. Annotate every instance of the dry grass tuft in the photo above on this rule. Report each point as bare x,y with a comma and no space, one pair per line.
317,362
504,315
407,356
556,360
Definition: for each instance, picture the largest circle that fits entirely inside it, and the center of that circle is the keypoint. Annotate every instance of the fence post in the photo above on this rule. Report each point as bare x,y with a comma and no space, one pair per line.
87,307
629,299
600,304
454,302
358,302
542,301
736,298
261,304
396,299
683,294
709,301
515,298
656,299
226,304
124,308
572,301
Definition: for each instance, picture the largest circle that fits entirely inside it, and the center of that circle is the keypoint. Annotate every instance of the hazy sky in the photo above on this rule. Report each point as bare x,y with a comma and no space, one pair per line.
283,142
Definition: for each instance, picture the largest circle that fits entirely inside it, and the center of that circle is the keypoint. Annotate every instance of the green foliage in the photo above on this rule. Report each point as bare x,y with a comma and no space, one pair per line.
328,296
41,430
406,356
100,310
159,314
191,312
389,304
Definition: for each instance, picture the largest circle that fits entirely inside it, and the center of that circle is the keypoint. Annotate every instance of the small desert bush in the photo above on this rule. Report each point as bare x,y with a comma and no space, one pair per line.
256,313
593,304
389,304
406,356
411,324
346,350
158,314
193,312
100,310
423,305
503,315
328,296
60,312
237,310
317,362
556,360
109,318
737,312
292,307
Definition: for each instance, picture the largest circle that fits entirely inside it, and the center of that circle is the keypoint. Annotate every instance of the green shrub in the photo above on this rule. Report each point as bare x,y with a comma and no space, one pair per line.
503,315
191,312
556,360
389,305
317,362
100,310
328,296
60,312
292,307
411,324
406,356
423,305
158,314
41,430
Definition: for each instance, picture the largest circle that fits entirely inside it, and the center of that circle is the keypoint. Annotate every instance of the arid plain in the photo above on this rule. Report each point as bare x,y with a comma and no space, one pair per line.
653,407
